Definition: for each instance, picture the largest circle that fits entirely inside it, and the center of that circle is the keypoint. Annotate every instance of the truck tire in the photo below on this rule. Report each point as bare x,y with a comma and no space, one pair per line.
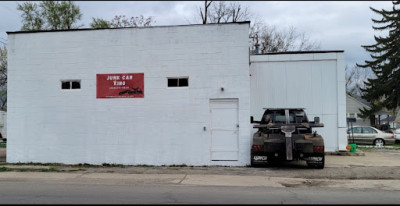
317,165
252,164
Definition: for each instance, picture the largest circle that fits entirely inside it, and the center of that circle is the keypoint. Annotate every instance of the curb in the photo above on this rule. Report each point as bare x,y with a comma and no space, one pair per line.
346,153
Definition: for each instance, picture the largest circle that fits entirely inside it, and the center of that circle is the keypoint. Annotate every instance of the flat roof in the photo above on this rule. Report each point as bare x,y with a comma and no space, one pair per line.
303,52
141,27
295,108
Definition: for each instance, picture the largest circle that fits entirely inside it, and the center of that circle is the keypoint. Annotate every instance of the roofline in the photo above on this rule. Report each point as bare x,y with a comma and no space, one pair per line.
358,101
90,29
303,52
284,108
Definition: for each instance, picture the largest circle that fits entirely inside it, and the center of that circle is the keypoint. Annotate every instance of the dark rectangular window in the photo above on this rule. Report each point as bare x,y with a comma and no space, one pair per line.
65,85
183,82
172,82
72,84
178,82
76,85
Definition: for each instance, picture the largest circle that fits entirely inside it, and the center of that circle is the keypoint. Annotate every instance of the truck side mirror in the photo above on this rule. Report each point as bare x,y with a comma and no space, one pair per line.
251,119
316,120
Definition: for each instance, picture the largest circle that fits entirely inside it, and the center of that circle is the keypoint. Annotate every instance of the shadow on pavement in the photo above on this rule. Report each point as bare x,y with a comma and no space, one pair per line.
285,165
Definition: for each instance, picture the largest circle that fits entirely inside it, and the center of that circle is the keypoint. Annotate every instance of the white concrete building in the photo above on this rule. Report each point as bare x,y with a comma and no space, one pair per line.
311,80
166,95
194,108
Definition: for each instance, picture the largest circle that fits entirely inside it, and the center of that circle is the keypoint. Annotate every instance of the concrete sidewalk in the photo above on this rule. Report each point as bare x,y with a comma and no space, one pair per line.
204,180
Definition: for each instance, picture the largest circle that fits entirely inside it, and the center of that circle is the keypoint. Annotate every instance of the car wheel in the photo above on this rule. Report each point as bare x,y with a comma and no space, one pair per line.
379,142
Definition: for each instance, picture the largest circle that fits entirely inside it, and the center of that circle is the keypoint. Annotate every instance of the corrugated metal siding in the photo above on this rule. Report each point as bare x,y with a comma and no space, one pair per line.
298,80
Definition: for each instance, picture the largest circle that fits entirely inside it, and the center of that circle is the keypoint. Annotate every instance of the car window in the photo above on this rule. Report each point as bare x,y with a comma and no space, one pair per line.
356,130
368,130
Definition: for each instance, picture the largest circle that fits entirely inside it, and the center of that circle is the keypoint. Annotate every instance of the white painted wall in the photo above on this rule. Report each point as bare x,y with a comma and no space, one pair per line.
47,124
314,81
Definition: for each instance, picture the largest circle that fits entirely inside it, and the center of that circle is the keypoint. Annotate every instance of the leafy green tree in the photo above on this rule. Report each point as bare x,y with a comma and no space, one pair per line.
49,15
122,21
100,23
383,92
31,17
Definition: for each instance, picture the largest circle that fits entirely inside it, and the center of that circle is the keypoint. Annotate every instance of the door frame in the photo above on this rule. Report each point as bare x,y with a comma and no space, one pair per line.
232,100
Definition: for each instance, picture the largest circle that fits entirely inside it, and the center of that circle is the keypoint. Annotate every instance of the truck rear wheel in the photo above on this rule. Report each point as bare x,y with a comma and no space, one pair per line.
252,161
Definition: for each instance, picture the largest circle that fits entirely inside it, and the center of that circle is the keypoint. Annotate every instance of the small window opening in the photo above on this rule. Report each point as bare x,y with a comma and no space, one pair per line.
178,82
74,84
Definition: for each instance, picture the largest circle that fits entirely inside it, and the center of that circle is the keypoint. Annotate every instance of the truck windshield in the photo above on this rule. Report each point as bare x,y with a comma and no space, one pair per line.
295,116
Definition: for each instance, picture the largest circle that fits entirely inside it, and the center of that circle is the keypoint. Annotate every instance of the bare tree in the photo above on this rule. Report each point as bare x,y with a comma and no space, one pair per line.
355,78
204,13
218,12
271,39
238,12
261,36
222,12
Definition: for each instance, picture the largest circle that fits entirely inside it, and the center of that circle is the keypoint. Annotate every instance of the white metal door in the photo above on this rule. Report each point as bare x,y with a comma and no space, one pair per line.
224,129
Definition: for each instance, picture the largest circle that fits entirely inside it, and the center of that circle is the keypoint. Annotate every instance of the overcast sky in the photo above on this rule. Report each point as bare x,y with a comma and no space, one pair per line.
336,25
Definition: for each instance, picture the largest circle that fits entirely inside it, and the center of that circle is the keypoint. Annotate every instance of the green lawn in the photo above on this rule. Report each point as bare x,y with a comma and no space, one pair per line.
395,146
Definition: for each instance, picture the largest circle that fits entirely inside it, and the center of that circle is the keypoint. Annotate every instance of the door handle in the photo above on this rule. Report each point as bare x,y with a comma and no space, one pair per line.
237,125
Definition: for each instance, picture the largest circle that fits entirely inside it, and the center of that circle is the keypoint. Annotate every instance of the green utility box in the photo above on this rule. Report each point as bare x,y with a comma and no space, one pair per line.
353,148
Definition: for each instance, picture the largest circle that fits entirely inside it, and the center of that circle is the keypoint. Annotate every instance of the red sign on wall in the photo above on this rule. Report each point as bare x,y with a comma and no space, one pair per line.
123,85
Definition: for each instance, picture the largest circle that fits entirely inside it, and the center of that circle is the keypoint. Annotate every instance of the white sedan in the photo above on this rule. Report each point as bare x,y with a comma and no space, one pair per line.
396,133
366,135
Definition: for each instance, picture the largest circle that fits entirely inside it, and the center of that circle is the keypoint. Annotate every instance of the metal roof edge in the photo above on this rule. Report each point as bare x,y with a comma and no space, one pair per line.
302,52
285,108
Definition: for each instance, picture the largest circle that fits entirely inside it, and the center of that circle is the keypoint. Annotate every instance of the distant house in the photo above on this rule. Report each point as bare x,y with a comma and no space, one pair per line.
389,120
353,106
